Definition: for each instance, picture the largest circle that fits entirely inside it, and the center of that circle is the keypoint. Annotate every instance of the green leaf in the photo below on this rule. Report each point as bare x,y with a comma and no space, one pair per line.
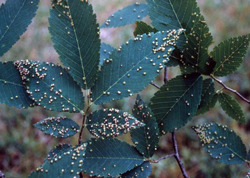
231,107
63,165
75,35
142,27
133,66
229,55
15,17
176,102
13,92
105,52
208,92
145,138
221,143
51,86
142,171
110,157
59,127
172,14
127,15
209,105
111,123
58,150
196,48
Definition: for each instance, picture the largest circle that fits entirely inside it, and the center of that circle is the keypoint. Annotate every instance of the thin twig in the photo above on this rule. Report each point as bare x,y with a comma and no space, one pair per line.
177,156
165,75
230,89
155,85
162,158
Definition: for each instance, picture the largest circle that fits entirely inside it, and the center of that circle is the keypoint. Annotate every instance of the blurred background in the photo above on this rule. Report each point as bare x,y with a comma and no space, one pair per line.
23,148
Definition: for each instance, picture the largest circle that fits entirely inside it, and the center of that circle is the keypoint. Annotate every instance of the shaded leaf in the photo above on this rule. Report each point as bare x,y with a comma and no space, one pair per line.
51,86
229,55
231,107
142,27
15,17
75,34
208,92
58,151
13,92
196,49
127,15
142,171
64,165
176,102
111,123
221,143
209,105
172,14
145,138
133,66
105,51
110,157
59,127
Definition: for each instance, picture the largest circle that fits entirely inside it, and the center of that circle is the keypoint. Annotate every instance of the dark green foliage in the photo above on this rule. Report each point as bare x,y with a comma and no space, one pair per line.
15,17
172,14
59,127
176,102
63,164
105,52
209,105
208,92
76,39
231,107
13,92
229,55
196,49
145,138
58,150
142,171
111,123
127,15
51,86
133,66
222,143
142,27
110,157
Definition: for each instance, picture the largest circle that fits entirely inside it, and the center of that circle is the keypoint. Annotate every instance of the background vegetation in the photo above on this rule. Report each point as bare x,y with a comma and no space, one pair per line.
22,147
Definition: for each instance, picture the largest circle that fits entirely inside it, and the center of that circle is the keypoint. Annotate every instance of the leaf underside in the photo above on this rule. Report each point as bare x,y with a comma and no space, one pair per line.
111,123
58,150
229,55
208,92
221,143
110,157
51,86
145,138
59,127
13,92
142,171
127,15
176,102
66,163
231,107
133,66
15,17
75,35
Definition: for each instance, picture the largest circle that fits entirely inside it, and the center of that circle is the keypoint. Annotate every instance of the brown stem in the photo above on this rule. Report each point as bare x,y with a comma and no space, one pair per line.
165,75
82,127
177,156
155,85
230,89
162,158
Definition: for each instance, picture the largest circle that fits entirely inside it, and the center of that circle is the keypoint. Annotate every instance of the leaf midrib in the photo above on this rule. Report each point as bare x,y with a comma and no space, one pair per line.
7,29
